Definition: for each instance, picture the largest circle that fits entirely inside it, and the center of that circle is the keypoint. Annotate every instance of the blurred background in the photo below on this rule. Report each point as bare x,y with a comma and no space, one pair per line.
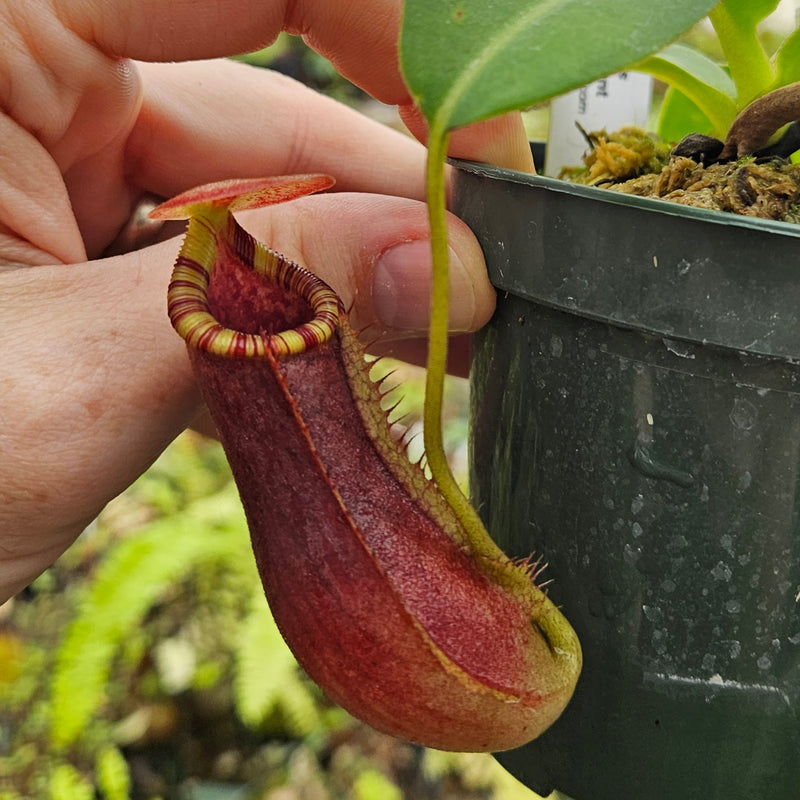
145,663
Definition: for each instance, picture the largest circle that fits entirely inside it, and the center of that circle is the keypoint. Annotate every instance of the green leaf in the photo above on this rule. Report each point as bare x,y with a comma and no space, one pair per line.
787,60
466,60
700,79
679,116
748,13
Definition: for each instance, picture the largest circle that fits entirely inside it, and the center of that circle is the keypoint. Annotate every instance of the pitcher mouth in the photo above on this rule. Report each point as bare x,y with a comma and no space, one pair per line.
304,313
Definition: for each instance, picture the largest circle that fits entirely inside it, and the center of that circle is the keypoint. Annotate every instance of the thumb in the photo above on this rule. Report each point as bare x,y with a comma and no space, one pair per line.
86,411
374,251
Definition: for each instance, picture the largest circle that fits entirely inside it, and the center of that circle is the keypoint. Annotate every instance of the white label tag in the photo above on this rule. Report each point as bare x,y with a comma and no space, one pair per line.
610,103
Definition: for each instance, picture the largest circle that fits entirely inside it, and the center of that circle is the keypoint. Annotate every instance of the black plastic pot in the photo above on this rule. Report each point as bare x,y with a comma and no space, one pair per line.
636,420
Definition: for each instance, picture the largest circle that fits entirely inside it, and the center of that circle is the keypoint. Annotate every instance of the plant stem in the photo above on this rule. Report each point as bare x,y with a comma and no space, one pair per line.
480,540
561,638
747,60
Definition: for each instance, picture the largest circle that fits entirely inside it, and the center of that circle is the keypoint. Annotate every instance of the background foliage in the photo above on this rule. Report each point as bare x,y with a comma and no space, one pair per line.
145,663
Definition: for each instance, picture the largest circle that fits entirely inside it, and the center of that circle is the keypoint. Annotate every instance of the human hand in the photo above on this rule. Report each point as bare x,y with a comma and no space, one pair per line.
93,381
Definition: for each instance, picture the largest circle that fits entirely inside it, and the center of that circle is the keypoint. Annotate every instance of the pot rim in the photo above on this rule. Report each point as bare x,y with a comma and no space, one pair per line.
691,274
650,204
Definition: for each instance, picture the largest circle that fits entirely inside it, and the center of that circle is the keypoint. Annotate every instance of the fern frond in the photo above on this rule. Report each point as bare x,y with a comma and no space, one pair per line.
300,707
66,783
112,775
371,784
128,581
266,675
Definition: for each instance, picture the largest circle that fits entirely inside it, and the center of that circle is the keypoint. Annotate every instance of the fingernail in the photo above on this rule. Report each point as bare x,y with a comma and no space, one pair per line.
401,288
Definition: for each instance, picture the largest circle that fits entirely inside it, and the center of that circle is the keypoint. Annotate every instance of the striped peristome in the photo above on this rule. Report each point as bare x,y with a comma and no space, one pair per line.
187,300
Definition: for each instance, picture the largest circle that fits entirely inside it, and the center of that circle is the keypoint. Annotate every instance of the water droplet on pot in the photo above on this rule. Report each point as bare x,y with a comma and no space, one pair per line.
722,572
733,606
743,415
678,348
631,554
653,613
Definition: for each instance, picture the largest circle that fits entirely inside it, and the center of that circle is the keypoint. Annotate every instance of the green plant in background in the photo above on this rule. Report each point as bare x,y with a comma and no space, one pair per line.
145,663
131,578
705,96
267,679
289,55
163,613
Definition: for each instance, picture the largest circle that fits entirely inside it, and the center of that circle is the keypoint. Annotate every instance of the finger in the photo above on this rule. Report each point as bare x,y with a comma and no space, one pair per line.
501,141
100,388
270,124
360,37
25,168
361,40
273,124
89,404
374,251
